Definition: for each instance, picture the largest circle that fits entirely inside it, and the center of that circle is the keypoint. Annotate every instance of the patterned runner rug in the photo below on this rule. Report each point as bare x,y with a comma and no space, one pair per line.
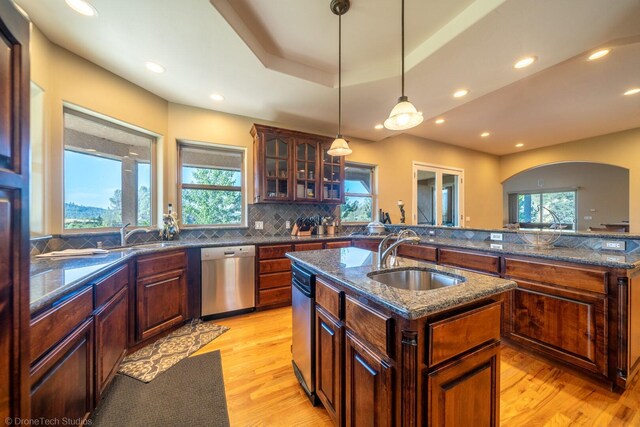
150,361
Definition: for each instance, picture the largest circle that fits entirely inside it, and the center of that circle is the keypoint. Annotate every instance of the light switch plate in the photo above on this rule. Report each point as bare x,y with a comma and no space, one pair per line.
496,236
615,258
259,225
432,233
614,245
496,246
287,225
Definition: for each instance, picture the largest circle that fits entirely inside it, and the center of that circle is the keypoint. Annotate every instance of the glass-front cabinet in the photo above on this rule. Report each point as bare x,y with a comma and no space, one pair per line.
292,166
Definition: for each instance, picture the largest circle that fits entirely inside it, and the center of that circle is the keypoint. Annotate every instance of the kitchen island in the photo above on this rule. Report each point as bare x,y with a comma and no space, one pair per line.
392,356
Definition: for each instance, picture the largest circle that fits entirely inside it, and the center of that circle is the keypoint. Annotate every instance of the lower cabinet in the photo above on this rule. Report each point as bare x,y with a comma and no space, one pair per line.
161,303
62,381
368,388
453,397
329,361
112,322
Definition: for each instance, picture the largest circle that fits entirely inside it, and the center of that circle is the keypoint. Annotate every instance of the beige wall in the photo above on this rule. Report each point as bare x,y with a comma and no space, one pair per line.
602,190
395,157
618,149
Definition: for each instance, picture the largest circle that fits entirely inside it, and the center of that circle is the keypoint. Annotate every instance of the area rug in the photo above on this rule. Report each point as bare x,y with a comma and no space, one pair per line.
191,393
146,363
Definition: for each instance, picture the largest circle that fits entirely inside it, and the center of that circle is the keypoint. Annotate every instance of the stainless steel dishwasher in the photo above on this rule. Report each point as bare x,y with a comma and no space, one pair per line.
228,280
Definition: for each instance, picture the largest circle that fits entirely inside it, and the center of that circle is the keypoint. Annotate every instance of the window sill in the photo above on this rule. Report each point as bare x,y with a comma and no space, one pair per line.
215,227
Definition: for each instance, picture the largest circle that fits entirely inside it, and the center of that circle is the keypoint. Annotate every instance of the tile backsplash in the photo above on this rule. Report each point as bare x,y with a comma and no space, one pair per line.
273,217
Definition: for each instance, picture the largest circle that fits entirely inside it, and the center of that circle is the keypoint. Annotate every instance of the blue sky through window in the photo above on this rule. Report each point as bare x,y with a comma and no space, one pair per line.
90,180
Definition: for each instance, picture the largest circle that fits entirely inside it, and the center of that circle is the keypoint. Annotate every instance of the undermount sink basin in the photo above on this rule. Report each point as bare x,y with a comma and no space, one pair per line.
415,280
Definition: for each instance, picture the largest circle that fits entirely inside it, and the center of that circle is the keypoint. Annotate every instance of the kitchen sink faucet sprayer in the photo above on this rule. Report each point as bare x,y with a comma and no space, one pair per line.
384,249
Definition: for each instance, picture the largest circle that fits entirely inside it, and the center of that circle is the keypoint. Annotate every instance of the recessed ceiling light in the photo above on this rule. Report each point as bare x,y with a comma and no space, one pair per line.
379,126
485,134
525,62
519,144
133,154
82,7
91,150
439,121
460,93
632,91
156,68
599,54
216,97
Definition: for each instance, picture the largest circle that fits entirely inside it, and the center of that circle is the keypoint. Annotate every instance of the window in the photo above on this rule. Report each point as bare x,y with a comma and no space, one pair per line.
358,190
107,173
532,209
211,185
437,195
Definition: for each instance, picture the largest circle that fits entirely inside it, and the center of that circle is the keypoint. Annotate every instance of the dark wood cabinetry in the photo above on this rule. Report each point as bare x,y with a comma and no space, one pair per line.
329,362
62,381
466,392
112,322
161,293
294,166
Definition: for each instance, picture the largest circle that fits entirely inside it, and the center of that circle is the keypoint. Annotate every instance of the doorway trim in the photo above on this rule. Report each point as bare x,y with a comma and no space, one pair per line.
438,170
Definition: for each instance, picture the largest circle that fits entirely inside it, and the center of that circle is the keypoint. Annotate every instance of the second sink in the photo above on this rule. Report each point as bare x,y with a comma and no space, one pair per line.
415,279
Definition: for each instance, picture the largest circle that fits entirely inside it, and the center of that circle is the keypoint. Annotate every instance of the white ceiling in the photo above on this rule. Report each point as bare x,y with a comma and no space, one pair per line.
277,60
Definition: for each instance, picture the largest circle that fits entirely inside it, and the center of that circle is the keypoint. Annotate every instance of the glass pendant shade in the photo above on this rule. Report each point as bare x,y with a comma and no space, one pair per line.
339,147
403,116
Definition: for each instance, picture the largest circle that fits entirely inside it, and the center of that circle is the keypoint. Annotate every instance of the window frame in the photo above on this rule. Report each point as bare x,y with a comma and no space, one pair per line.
539,192
180,143
105,120
373,196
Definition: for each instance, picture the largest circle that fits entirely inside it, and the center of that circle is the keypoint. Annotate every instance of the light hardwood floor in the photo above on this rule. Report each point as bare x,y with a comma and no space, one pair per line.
262,390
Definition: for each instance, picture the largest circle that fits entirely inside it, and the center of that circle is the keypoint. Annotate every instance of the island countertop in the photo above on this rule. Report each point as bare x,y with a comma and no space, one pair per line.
350,267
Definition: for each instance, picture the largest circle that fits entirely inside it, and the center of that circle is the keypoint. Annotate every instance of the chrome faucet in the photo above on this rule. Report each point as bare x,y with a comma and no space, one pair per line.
384,250
124,235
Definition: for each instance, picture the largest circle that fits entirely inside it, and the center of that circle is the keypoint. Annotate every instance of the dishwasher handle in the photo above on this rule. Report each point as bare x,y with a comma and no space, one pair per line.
207,254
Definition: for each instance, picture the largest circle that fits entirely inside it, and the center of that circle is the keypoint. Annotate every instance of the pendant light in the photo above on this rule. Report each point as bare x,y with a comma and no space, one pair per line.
404,115
339,146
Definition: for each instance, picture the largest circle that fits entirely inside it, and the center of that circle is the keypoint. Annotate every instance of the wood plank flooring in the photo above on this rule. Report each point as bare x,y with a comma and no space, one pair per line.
262,390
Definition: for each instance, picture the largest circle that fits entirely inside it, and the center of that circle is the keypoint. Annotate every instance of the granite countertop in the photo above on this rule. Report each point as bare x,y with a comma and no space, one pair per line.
350,266
53,278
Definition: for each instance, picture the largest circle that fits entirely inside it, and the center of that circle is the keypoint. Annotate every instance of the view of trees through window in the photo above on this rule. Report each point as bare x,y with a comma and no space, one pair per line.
358,189
563,204
211,185
107,174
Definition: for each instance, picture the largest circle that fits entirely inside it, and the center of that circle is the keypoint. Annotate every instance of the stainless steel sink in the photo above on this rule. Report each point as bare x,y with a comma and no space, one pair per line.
416,280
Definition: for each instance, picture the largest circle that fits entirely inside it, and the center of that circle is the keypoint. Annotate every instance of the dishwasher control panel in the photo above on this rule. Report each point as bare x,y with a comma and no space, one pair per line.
227,252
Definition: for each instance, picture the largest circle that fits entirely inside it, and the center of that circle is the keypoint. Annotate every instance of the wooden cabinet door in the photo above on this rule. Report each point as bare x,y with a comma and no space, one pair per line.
306,170
368,244
161,303
465,392
273,168
368,388
329,361
569,325
338,245
331,175
62,381
14,213
111,338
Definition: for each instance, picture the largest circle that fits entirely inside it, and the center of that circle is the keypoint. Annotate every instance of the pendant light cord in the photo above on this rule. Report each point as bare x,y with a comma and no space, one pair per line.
340,74
402,26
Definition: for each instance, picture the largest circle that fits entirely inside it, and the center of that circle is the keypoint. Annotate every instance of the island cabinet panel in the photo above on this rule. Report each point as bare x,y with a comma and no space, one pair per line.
455,335
329,362
368,386
484,263
375,328
424,253
62,381
368,244
338,245
569,325
466,391
330,298
112,323
575,277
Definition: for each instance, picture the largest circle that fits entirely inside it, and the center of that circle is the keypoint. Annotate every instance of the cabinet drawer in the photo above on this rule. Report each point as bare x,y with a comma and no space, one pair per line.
470,260
370,245
425,253
374,327
54,324
154,264
270,252
275,296
274,280
110,285
337,245
274,265
329,298
455,335
308,246
579,278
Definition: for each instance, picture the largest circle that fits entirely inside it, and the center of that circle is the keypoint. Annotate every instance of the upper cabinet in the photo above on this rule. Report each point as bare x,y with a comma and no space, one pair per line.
292,166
